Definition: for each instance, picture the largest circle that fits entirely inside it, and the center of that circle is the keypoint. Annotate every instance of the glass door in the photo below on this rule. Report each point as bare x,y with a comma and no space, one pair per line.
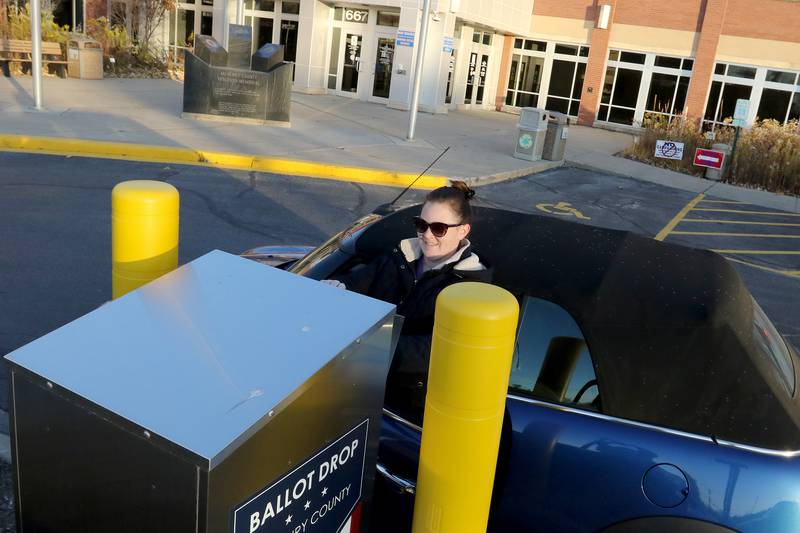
384,57
351,63
476,77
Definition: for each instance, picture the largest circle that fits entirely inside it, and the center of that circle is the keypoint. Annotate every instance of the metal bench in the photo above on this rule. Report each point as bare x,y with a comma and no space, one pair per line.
51,54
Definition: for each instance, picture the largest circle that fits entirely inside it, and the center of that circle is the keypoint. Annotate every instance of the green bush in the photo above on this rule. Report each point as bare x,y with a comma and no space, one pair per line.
129,57
767,154
19,25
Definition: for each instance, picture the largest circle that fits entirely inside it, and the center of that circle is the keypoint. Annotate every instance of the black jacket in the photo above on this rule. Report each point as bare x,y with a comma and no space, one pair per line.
392,278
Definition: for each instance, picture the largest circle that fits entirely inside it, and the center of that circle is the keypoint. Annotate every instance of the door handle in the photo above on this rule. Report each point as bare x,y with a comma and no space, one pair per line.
403,485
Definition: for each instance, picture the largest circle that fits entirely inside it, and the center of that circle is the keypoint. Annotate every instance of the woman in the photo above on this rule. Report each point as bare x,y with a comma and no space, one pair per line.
411,276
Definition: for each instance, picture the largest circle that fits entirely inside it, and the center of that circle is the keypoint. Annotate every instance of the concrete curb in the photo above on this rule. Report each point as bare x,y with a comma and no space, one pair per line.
189,156
538,167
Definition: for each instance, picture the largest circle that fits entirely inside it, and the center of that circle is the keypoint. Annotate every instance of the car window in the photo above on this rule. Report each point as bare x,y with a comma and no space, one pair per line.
551,359
771,345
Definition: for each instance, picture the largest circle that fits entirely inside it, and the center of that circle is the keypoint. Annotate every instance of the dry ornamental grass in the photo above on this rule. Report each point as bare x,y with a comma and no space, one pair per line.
767,154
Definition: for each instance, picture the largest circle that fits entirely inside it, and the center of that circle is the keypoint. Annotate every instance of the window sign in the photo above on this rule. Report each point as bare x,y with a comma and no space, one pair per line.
356,15
405,38
740,113
448,44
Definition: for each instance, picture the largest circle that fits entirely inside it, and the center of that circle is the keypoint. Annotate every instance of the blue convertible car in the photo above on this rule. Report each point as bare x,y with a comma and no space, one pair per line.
648,392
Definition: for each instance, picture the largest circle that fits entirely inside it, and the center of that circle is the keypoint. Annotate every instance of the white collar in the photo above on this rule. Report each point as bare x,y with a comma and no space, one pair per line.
412,251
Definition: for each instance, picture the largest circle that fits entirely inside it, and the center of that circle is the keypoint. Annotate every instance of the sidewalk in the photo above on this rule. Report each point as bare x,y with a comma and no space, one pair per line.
324,129
328,130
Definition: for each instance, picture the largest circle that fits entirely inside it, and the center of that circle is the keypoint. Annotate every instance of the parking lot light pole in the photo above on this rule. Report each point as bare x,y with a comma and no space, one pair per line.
423,34
36,51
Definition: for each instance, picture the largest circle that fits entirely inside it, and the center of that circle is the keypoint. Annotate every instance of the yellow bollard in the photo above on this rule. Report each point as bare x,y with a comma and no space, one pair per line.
144,233
473,344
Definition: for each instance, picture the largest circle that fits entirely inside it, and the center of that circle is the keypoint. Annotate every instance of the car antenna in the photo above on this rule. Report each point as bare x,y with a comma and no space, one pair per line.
387,209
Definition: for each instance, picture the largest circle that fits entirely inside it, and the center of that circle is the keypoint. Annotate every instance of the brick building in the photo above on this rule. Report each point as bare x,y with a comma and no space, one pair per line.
650,56
603,62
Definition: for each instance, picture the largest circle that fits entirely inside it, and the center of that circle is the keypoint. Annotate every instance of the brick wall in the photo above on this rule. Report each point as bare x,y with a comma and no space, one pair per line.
596,70
568,9
674,15
96,9
505,70
713,22
777,20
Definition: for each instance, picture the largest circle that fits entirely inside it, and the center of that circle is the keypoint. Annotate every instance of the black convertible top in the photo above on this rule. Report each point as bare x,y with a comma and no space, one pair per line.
670,328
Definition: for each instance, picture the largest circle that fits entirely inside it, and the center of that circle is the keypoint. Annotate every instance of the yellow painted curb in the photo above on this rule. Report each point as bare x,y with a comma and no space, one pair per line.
188,156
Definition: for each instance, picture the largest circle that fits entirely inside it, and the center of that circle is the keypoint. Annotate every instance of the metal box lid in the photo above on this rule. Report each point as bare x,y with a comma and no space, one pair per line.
203,354
533,118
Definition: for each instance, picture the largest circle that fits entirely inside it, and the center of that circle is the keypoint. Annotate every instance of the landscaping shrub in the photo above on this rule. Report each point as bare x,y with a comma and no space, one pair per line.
19,25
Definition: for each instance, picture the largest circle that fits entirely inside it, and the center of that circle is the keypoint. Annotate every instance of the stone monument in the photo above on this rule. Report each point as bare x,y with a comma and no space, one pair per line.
220,85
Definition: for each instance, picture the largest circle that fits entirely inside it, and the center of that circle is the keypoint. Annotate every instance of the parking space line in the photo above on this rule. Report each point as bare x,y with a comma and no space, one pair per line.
722,234
789,273
776,213
677,218
704,220
724,202
759,252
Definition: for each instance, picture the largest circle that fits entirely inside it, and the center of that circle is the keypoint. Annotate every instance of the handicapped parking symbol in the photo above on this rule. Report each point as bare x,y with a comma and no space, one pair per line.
562,208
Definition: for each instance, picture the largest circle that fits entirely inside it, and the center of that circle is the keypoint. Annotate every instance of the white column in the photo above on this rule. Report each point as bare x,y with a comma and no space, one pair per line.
403,62
312,43
462,66
437,62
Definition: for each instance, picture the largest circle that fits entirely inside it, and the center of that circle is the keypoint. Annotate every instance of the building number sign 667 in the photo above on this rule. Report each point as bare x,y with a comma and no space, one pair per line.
356,15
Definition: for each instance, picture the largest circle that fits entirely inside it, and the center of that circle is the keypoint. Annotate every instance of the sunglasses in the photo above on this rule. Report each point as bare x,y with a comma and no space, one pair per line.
439,229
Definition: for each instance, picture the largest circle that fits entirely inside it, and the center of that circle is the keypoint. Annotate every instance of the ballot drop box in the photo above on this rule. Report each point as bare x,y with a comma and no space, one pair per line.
226,396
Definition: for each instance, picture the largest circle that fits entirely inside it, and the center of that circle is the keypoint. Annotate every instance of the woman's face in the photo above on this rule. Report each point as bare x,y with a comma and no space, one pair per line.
439,248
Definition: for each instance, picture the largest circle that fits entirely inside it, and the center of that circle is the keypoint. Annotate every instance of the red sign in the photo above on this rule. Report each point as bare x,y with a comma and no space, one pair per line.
708,158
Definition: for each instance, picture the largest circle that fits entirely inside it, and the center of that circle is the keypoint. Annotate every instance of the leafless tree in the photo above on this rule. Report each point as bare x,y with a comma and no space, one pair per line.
147,16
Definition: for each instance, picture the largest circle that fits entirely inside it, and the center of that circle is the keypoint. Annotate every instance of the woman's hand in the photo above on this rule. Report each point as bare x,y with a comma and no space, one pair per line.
334,283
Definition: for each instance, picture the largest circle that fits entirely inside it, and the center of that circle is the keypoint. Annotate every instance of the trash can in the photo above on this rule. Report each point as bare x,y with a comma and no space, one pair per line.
556,139
531,132
717,174
84,58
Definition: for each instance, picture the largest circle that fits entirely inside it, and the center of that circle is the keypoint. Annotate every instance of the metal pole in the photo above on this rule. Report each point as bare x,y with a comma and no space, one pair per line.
423,34
733,152
36,52
240,12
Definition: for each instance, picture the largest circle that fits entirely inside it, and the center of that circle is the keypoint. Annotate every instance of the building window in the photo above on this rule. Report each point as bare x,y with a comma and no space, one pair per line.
260,5
389,18
548,75
262,30
640,85
773,94
525,81
566,84
290,7
289,30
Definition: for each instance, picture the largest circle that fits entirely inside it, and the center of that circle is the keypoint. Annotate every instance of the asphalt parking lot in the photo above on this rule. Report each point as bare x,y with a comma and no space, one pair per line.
55,227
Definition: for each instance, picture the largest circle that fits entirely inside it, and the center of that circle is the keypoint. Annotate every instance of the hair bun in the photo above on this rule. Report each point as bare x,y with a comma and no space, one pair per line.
464,188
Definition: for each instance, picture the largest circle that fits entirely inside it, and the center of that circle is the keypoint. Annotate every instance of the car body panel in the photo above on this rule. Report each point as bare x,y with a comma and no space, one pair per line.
561,468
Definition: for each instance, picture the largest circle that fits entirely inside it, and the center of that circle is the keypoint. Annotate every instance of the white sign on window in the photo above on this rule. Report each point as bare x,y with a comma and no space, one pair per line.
356,15
669,150
740,113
